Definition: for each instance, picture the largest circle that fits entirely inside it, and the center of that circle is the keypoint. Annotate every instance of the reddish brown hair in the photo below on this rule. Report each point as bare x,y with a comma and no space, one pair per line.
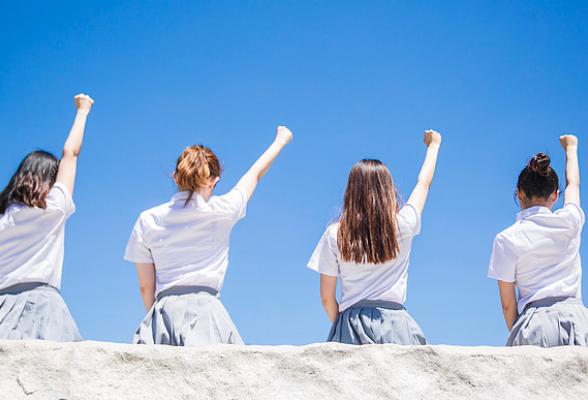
194,167
367,227
32,181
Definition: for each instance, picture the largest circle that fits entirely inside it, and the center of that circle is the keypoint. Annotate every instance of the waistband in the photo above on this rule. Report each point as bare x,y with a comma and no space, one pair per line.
179,290
390,305
23,287
549,301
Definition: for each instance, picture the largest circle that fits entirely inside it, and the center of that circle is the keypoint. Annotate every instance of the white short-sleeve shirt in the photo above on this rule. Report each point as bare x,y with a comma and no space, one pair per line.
188,245
31,240
540,253
386,281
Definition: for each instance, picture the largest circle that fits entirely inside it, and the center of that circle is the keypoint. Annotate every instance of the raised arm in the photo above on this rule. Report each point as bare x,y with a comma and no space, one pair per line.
418,197
570,145
71,149
249,181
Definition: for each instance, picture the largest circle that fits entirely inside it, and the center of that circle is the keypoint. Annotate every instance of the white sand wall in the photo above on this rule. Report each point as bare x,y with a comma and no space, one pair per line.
97,370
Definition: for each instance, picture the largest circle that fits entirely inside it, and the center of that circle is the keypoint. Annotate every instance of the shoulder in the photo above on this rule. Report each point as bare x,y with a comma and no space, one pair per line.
235,195
233,203
329,237
409,210
156,211
410,215
509,234
59,198
332,232
573,210
154,214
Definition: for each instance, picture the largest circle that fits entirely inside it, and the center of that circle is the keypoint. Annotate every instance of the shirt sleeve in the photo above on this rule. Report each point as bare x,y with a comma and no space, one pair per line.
411,218
59,198
233,203
137,250
575,212
324,257
503,260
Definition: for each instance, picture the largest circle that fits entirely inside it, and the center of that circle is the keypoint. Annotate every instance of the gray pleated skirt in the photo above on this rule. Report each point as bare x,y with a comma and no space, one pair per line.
556,321
36,311
187,316
369,322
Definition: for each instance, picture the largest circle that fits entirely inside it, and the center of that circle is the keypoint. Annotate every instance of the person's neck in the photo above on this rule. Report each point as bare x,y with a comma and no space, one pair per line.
534,202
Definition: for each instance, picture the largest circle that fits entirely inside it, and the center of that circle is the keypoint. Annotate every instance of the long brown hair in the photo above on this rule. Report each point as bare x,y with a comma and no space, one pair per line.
32,181
367,226
194,167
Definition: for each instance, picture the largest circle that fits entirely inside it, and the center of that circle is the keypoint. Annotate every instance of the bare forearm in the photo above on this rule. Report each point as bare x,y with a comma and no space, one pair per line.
332,308
73,144
510,316
572,167
147,278
263,163
428,169
148,298
249,181
569,143
418,197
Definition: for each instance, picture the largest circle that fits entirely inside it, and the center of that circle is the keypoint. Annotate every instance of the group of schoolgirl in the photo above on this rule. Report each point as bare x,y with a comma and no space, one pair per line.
180,249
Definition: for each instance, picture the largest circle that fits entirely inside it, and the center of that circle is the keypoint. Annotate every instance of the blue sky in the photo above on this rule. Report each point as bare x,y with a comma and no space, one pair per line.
499,80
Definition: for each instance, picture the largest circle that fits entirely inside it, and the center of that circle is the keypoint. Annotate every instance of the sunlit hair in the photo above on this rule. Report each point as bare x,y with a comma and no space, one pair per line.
32,181
194,167
538,179
367,226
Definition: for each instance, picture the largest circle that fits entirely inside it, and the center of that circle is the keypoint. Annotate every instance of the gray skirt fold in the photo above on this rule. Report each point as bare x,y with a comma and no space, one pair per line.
36,311
370,322
551,322
187,316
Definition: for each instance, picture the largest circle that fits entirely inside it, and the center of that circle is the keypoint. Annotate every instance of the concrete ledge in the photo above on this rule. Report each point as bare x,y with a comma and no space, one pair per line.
95,370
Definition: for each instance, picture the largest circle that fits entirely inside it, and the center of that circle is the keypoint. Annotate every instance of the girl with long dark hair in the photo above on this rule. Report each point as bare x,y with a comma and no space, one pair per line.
368,250
33,209
181,248
540,256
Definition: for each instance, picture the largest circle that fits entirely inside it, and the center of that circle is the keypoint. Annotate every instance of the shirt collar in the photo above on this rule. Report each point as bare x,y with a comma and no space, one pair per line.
532,211
182,196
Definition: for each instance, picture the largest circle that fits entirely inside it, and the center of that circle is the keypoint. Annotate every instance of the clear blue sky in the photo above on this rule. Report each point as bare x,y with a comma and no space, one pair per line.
500,81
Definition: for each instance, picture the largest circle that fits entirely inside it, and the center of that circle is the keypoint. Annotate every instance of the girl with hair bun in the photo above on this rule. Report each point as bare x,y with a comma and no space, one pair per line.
540,256
368,249
181,250
33,210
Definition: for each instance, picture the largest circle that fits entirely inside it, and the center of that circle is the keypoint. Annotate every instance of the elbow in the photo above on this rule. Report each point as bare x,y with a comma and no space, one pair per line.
71,153
327,300
573,183
509,308
424,182
147,289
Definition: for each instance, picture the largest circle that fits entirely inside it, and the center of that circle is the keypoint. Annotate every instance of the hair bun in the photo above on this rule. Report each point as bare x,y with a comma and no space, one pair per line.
540,164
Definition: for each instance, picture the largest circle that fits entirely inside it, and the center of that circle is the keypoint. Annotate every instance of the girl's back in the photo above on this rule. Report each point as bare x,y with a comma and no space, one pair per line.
384,281
189,244
31,240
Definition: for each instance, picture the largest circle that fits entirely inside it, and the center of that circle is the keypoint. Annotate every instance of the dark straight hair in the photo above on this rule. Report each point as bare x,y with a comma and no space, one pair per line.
31,182
367,226
538,179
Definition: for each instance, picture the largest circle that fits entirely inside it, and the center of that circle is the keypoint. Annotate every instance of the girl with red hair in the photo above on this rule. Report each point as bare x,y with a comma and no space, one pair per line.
181,250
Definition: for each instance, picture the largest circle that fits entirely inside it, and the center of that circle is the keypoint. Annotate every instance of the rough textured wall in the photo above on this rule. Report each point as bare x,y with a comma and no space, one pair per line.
96,370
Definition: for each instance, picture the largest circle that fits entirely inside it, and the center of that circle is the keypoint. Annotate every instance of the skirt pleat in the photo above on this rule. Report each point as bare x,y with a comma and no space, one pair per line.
550,323
375,325
36,313
187,319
